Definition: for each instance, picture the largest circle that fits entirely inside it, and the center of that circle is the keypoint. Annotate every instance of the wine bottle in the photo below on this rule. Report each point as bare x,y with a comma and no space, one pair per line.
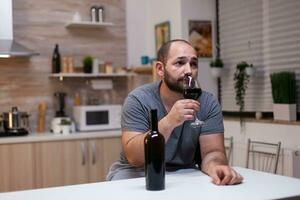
154,147
56,64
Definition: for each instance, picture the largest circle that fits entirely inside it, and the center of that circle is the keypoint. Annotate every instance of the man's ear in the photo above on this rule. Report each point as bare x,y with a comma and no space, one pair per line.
160,70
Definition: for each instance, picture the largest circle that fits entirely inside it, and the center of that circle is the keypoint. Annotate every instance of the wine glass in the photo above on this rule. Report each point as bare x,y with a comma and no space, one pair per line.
191,90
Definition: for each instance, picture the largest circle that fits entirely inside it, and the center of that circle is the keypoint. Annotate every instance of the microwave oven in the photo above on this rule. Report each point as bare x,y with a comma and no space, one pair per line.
97,117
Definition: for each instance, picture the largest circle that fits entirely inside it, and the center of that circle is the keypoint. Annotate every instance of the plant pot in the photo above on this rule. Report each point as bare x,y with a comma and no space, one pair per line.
258,115
87,68
216,72
65,129
285,112
250,71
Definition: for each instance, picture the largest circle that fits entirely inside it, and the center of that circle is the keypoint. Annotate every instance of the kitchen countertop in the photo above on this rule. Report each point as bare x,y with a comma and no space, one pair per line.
182,184
45,137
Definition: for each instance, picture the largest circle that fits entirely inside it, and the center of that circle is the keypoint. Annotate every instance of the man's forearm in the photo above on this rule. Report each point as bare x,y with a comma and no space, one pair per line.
165,128
134,145
134,149
212,159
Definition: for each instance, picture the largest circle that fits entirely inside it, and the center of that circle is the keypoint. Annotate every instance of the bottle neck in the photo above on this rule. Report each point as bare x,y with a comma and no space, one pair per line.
154,126
56,49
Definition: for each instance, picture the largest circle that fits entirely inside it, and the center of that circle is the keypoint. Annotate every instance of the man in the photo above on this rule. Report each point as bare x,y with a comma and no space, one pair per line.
176,58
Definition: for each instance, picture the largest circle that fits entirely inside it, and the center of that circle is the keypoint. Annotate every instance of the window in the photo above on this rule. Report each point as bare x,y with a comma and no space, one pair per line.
266,34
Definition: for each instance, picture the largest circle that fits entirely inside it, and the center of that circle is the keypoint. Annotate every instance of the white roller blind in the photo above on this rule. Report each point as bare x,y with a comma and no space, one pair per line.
265,33
283,47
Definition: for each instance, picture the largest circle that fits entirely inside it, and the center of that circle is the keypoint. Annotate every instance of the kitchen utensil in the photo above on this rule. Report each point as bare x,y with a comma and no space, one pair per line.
56,124
61,104
41,117
14,120
14,123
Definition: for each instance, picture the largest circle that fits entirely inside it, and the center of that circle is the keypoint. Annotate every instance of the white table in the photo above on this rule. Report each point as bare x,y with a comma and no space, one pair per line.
184,184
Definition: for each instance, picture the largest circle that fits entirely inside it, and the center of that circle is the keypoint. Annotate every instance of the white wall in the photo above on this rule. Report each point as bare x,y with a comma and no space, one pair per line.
142,16
136,31
161,11
6,20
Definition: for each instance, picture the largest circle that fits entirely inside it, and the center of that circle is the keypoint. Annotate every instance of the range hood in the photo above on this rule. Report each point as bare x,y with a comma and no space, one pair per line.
8,46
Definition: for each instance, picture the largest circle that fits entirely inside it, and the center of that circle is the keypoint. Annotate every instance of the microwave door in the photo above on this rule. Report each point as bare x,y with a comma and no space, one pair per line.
96,118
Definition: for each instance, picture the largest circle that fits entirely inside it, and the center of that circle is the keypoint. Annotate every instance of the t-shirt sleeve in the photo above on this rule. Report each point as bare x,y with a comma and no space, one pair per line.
213,116
134,115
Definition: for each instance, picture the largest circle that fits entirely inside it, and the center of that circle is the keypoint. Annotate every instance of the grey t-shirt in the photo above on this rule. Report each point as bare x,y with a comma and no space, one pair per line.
182,144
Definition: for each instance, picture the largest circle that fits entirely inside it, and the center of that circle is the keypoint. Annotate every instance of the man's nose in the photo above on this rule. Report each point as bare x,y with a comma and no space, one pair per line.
187,69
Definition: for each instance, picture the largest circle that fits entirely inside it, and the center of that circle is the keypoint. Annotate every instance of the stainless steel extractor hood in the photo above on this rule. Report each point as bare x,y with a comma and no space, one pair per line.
8,46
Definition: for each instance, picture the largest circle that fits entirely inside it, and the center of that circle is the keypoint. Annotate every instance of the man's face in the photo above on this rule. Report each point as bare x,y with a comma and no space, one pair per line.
181,60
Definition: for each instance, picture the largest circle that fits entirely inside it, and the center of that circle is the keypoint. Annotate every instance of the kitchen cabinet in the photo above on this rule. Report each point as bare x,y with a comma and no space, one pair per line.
17,167
65,161
61,163
103,152
76,161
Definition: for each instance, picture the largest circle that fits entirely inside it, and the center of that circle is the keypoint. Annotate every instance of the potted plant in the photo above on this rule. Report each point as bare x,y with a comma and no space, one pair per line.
284,95
65,126
250,69
216,67
241,79
87,64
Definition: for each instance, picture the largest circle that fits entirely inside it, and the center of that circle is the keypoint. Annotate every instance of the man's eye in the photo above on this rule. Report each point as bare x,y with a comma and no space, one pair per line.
179,63
194,65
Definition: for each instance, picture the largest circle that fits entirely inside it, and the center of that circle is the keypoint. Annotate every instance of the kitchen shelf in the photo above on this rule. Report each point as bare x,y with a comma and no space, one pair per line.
147,70
87,24
86,75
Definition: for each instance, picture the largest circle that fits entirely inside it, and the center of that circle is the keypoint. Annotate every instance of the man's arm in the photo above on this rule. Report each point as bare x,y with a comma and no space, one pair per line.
214,161
133,145
133,142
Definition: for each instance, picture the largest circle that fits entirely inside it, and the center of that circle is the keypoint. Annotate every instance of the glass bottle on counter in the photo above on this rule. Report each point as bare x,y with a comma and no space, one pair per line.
56,64
154,147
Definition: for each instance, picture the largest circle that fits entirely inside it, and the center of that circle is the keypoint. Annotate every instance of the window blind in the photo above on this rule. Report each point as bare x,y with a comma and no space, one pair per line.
264,33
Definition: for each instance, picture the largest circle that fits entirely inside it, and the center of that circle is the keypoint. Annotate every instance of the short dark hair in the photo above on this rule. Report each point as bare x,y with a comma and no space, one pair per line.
163,51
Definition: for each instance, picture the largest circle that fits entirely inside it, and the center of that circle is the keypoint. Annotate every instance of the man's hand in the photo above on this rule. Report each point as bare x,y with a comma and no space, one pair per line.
224,175
214,162
182,110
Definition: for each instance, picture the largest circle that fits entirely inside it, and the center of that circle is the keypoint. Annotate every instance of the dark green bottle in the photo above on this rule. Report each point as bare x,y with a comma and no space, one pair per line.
56,62
154,146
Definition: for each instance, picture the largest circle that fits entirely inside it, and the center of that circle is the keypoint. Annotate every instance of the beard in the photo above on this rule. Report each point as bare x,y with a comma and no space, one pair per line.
174,85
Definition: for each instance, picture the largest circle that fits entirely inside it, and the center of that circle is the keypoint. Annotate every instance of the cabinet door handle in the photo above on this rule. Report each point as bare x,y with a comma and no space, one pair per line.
83,153
94,153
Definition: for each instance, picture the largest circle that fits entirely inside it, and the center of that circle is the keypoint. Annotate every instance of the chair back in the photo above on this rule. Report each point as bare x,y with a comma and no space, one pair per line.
263,156
228,143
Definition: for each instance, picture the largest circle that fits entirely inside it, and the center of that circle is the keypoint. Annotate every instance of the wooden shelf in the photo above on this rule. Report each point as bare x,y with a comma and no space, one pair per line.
86,75
87,24
143,70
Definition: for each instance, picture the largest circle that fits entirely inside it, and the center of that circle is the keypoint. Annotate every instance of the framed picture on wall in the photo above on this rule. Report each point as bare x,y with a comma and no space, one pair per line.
162,34
200,36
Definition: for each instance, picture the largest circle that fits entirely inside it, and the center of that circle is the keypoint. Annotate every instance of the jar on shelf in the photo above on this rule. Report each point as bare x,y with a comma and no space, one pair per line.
108,67
100,14
94,14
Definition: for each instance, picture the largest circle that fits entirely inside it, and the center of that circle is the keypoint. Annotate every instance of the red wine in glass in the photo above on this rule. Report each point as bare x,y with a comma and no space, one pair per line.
192,93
